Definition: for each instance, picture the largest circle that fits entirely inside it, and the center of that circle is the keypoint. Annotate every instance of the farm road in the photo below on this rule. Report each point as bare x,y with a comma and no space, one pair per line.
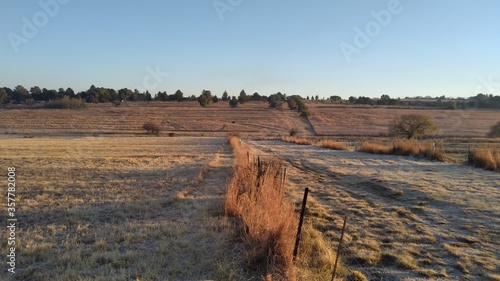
408,218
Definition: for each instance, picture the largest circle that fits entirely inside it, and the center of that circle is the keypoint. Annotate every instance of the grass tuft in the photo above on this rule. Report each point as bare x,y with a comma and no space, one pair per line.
255,196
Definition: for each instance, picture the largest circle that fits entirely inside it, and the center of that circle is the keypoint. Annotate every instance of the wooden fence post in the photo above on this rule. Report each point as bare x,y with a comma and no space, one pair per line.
302,211
338,249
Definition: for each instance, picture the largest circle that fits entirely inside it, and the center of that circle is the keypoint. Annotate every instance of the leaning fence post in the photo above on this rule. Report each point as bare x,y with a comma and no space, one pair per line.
338,249
302,211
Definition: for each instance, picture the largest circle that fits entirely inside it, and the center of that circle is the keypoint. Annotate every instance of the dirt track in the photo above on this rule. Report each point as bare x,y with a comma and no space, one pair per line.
409,219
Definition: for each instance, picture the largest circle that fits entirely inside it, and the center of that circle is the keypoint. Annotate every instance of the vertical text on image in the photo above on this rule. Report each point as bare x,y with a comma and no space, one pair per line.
11,219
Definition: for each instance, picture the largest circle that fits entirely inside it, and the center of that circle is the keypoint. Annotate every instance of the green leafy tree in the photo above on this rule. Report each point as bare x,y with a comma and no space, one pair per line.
412,126
21,94
36,93
4,97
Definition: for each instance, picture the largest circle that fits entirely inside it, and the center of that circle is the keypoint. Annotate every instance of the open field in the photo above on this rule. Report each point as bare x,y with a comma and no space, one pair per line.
350,120
98,199
186,118
121,209
407,218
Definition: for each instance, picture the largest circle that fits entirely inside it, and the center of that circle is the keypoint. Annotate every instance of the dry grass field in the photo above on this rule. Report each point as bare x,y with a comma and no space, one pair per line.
349,120
408,219
99,199
122,208
185,119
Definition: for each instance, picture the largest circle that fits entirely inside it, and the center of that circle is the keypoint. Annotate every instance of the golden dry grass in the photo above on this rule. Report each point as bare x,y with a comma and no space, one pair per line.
358,120
122,209
185,119
255,196
402,212
332,144
405,148
486,158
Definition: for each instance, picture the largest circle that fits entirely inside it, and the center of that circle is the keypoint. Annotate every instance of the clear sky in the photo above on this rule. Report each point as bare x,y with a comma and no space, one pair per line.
324,47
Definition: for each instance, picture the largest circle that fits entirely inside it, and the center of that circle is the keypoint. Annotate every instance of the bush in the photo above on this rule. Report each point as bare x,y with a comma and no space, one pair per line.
293,132
233,102
495,131
152,128
66,103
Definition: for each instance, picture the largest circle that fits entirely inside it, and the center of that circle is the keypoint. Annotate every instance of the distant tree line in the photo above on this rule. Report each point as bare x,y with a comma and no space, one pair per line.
478,101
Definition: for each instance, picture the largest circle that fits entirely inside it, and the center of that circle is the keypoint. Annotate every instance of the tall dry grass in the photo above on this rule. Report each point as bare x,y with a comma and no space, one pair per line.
330,144
255,196
296,140
405,148
486,158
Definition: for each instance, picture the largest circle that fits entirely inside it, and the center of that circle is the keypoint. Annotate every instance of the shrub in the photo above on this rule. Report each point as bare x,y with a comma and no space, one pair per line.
486,158
293,132
66,103
152,128
171,134
495,131
233,102
412,126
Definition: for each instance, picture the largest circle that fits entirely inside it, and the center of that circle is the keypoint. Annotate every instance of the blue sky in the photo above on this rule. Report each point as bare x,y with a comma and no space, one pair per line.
413,48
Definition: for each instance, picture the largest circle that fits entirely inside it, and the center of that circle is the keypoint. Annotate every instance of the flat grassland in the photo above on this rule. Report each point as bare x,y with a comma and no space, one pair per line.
358,120
186,118
121,208
98,199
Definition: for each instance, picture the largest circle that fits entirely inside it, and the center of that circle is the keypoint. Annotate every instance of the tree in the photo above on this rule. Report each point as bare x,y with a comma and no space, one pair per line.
495,131
412,126
242,98
21,93
205,98
233,102
352,99
4,97
256,96
179,95
215,99
317,97
225,96
335,98
36,93
202,99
